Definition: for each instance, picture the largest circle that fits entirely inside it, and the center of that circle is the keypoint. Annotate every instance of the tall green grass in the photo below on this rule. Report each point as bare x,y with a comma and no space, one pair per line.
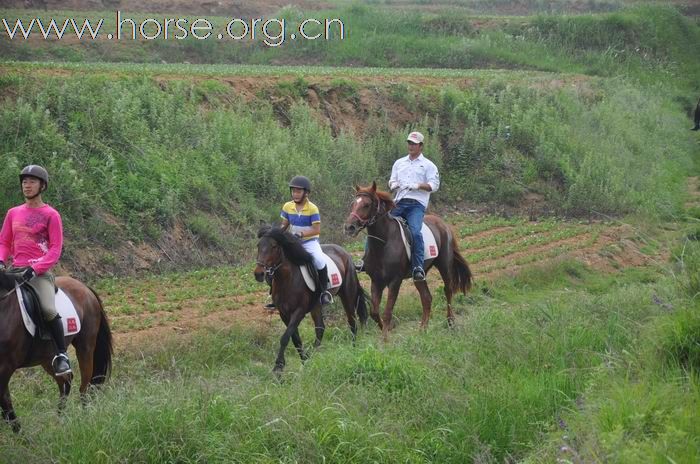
643,404
559,143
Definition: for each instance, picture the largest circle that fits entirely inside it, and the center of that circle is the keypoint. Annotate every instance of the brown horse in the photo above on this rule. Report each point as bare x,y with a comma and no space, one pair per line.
386,261
18,349
280,256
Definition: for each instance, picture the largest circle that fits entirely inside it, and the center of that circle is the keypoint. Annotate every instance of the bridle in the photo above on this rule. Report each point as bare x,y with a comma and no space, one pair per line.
378,213
373,218
270,270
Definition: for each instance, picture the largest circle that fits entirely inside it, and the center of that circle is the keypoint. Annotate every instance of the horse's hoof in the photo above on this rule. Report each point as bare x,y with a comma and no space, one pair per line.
15,425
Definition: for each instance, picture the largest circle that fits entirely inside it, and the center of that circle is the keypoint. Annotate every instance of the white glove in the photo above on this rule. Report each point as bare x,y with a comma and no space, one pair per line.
393,185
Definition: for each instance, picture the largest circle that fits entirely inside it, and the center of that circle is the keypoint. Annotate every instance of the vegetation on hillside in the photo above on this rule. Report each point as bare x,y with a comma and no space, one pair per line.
132,156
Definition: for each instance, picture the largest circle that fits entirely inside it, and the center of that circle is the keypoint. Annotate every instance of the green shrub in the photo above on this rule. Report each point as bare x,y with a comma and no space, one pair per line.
680,342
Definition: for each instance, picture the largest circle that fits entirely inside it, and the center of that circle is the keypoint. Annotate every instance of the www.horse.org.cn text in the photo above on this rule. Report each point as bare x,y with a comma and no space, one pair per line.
271,31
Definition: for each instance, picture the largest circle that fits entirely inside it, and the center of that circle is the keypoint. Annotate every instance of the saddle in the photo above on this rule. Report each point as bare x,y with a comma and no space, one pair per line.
430,248
31,310
334,277
30,303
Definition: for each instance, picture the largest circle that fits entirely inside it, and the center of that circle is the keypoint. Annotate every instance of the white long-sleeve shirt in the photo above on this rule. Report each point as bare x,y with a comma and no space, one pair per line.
406,172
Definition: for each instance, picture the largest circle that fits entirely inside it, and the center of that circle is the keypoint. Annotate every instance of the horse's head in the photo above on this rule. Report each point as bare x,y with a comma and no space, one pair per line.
270,254
274,248
368,205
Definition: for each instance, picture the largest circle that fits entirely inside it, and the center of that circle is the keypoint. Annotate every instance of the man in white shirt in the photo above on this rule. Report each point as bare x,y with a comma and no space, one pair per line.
413,178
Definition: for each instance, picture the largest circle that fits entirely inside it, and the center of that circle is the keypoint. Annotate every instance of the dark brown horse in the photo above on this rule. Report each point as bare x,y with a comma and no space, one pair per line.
18,349
386,261
279,256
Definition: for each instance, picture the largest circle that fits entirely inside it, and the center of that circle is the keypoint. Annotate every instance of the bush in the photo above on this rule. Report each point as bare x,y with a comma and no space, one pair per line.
680,342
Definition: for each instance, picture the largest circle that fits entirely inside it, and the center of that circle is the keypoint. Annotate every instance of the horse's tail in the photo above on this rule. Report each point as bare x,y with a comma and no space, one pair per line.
102,357
362,304
462,277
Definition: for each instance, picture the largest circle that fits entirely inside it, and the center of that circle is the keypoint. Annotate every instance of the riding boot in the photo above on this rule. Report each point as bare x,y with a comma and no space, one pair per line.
326,297
60,363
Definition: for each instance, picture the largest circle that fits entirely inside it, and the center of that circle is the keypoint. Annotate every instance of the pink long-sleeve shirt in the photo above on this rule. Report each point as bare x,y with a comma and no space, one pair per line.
32,236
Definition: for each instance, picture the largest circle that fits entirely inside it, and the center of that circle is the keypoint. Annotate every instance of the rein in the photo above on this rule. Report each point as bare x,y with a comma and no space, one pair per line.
8,294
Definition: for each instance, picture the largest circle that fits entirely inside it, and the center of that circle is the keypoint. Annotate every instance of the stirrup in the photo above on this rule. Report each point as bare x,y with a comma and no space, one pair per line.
58,357
359,266
329,295
270,307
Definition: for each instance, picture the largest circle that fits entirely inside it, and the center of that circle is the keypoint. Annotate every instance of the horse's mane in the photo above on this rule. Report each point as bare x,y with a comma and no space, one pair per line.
384,197
6,281
291,245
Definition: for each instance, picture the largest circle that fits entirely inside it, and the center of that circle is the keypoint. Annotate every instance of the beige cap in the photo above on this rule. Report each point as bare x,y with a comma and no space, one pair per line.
415,137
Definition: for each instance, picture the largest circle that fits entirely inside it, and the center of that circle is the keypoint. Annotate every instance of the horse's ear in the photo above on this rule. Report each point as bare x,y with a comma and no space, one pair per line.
264,228
374,186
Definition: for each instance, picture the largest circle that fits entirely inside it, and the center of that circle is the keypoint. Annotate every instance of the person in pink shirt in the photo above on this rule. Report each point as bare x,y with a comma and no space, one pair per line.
32,234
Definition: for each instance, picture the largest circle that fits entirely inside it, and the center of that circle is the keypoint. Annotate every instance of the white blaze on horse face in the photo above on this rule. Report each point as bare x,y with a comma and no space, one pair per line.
358,201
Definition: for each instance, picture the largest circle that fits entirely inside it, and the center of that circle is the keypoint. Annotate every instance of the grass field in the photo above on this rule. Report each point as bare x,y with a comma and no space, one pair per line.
563,361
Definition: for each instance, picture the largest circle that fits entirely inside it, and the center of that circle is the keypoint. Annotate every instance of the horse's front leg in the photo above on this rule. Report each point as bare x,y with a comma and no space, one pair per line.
296,339
63,383
426,300
8,412
292,327
319,326
377,290
389,308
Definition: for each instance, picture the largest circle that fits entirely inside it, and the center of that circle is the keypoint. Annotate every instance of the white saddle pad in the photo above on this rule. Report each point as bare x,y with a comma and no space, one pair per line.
334,277
69,317
429,244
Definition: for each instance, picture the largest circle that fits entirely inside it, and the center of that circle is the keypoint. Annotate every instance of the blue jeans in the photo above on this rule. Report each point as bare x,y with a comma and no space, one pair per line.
413,212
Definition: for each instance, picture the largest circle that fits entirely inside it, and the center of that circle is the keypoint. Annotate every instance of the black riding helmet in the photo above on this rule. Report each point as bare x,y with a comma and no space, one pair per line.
34,170
301,182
